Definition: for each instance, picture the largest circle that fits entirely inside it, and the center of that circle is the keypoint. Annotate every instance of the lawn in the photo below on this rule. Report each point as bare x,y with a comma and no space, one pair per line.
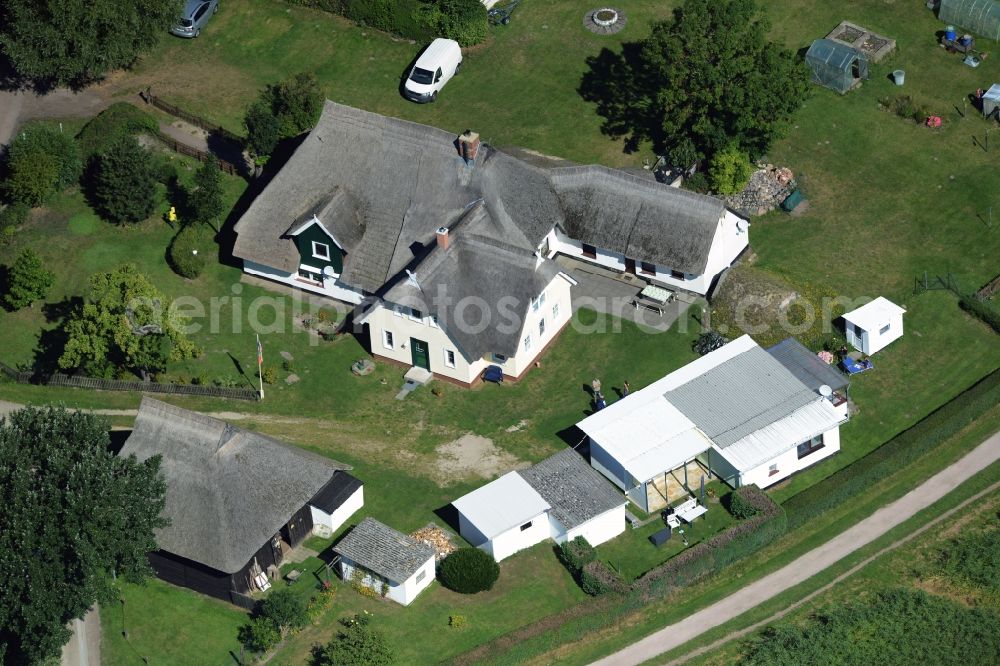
169,625
633,554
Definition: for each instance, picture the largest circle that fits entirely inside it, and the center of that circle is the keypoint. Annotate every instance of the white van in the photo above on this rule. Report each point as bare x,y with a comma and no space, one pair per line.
434,68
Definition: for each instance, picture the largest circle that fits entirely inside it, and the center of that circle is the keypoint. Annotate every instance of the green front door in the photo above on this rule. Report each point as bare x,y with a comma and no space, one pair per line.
421,358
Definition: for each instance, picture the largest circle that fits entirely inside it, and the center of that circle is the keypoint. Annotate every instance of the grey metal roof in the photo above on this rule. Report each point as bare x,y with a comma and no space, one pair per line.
576,491
405,180
806,366
740,396
488,264
228,490
382,550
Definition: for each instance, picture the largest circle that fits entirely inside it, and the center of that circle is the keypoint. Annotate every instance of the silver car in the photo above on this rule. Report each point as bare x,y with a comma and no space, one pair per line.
194,17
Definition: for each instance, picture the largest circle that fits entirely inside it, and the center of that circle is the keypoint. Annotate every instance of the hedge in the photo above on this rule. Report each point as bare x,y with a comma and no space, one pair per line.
742,539
982,309
598,578
400,17
465,21
575,554
929,433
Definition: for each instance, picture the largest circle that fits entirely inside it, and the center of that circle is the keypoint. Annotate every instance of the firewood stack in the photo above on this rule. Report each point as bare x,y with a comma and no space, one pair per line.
436,538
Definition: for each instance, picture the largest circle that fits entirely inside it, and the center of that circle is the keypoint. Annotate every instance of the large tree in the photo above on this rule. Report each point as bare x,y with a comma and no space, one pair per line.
124,324
125,184
708,74
72,42
27,280
73,516
281,111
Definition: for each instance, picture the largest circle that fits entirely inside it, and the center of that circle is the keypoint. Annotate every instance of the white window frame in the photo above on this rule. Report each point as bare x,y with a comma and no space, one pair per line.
398,311
541,327
432,321
884,329
555,311
421,576
316,254
499,358
527,343
413,316
449,358
541,298
772,469
388,339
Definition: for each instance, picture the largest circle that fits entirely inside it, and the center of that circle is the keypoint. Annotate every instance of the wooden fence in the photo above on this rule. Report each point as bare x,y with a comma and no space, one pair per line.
184,149
178,112
59,379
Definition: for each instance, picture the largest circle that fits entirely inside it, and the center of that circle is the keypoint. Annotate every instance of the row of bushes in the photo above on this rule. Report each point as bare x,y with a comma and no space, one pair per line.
767,523
982,309
904,106
465,21
898,452
592,575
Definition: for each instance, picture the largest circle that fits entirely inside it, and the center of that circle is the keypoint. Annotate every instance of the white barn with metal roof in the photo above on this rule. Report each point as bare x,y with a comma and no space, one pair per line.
560,498
739,411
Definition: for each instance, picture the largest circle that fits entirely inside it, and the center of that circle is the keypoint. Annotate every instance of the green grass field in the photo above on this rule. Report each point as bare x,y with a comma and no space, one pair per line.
888,200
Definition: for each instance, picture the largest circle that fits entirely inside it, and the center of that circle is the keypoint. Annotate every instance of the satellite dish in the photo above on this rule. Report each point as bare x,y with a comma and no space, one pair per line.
329,271
742,226
825,391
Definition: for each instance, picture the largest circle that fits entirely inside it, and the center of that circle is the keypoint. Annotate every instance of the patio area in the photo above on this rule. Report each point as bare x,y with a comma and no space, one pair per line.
614,293
675,485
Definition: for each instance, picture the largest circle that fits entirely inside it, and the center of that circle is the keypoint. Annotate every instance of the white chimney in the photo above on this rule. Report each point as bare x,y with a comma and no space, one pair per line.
443,240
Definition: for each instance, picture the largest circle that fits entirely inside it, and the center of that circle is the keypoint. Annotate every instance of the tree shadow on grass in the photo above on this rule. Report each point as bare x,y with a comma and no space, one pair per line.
616,84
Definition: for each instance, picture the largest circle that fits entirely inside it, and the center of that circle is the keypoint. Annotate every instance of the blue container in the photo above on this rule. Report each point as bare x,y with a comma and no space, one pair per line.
949,34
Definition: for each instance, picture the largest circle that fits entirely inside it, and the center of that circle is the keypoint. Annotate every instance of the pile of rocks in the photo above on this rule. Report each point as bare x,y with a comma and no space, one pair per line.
767,188
436,538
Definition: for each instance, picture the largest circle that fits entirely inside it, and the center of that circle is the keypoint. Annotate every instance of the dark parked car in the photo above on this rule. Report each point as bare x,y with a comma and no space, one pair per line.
194,17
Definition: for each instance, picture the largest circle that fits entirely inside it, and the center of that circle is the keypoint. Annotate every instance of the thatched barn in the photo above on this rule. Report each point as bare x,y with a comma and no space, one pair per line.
237,501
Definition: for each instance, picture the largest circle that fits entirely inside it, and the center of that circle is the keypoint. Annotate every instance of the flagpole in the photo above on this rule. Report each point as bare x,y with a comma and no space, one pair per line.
260,364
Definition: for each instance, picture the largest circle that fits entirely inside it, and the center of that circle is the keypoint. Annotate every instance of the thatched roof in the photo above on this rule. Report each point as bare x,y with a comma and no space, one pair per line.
486,263
405,180
228,490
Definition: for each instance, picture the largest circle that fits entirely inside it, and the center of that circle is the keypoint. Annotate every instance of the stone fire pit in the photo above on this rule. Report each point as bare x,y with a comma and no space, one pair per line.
604,20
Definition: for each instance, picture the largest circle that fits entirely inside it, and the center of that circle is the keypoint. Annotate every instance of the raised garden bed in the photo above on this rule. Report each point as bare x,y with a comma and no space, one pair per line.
873,45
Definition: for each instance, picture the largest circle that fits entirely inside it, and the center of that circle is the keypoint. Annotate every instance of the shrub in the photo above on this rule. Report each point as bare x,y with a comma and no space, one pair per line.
270,375
707,342
190,249
357,644
205,201
575,555
469,570
683,155
13,216
263,129
259,634
729,170
896,454
597,578
905,107
285,609
125,183
118,120
981,309
696,182
27,280
457,621
738,505
41,160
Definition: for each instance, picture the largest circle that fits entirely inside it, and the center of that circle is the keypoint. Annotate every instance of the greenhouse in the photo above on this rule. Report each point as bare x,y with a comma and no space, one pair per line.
981,17
836,65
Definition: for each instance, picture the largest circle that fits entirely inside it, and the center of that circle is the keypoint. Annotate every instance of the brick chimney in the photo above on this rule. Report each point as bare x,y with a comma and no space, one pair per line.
443,239
468,146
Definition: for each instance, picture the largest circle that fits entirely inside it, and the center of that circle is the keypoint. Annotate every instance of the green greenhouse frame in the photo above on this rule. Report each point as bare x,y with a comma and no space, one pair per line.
836,65
981,17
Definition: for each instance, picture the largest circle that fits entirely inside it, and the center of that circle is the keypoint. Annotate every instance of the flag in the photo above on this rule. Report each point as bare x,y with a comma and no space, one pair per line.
260,352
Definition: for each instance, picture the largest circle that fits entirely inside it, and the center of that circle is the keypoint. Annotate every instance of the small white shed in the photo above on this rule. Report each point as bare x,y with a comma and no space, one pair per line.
559,498
874,325
391,563
504,516
991,100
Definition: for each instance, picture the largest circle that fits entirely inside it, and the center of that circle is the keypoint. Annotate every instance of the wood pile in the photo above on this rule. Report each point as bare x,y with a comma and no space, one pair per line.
436,538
